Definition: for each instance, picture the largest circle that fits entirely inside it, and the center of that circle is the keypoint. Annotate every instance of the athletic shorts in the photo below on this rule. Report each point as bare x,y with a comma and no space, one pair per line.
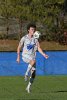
28,58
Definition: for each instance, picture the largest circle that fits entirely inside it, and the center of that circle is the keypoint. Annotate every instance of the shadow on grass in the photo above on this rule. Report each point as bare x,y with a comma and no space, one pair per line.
60,91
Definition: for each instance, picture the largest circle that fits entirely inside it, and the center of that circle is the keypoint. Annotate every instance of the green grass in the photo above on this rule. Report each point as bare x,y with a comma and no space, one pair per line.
44,88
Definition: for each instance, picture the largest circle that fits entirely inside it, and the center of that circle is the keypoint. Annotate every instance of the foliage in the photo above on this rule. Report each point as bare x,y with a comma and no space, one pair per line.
49,13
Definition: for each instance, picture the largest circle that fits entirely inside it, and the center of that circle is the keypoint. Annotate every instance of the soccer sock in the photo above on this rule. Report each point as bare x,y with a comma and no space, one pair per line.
31,80
28,69
29,85
31,77
33,71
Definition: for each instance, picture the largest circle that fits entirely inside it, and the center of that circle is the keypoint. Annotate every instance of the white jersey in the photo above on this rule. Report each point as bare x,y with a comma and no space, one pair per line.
29,47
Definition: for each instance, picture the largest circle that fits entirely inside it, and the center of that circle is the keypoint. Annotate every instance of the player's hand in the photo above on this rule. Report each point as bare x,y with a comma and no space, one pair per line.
18,60
46,56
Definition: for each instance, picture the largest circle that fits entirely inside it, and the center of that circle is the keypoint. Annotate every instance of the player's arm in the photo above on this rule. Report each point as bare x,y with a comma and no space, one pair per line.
19,48
18,53
41,51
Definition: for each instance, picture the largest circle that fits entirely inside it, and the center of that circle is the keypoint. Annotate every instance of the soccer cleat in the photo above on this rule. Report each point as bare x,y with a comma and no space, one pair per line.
26,77
28,90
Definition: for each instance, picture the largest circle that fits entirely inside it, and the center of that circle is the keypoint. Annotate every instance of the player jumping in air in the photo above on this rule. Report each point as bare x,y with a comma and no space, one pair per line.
30,45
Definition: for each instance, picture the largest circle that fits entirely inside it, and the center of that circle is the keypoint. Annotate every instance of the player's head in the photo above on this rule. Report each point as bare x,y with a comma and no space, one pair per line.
31,28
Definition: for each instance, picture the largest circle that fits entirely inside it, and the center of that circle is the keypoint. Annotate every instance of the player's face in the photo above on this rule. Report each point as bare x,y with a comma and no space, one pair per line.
31,30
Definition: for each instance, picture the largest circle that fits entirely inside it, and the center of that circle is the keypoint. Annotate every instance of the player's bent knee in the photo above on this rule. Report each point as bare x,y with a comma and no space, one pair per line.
32,62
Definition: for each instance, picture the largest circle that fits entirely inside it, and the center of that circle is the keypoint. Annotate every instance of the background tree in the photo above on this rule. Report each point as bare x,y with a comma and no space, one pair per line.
47,14
52,17
6,12
65,5
20,12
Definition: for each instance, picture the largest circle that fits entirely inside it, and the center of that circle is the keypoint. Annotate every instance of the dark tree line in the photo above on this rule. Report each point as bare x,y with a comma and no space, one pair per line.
48,13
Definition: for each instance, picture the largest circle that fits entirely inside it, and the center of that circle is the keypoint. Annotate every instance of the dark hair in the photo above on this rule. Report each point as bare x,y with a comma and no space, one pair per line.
31,25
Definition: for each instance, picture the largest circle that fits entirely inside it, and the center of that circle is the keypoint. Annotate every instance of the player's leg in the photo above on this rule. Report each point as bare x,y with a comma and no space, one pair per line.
32,77
31,63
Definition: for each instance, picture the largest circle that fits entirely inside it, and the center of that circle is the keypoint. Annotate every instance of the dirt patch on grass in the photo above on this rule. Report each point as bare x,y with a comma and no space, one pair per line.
11,45
8,45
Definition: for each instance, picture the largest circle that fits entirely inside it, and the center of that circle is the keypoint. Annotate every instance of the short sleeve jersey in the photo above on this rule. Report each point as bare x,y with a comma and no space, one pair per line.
29,45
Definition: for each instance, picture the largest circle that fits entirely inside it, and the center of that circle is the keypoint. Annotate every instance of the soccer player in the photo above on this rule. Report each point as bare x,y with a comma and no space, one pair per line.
30,46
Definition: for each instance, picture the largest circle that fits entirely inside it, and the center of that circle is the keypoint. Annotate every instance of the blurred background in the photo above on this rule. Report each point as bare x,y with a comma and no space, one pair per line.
50,17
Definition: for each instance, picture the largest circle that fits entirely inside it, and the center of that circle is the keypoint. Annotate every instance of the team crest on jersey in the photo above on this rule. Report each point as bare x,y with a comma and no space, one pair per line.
30,46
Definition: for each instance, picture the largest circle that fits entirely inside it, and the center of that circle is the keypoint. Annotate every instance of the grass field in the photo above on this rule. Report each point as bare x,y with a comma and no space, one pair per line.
44,88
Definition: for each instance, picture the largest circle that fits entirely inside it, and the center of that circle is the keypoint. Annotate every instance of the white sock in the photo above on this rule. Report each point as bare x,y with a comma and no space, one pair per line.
29,84
28,69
